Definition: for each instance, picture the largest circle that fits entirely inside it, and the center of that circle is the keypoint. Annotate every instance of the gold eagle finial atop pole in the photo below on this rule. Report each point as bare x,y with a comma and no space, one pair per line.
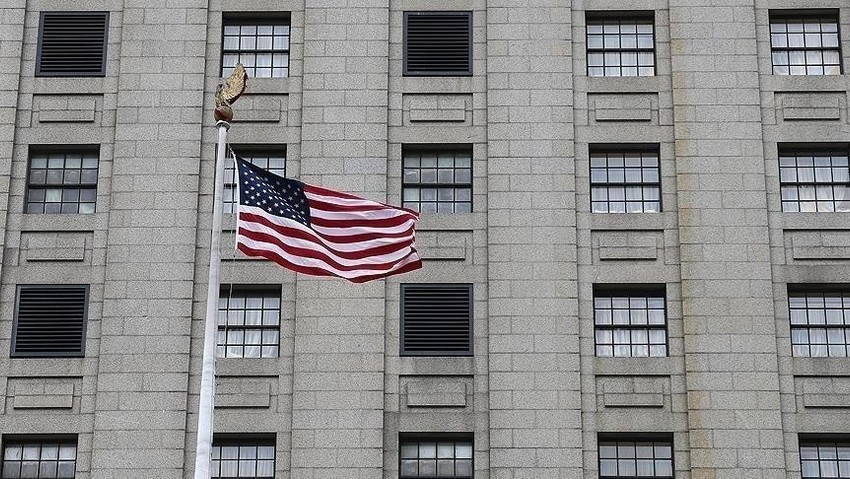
228,92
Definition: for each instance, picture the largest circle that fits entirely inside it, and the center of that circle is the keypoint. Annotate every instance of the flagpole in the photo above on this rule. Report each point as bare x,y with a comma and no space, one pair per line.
205,408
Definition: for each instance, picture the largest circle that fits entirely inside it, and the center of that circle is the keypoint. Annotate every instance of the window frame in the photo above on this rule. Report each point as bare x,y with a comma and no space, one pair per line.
631,291
407,438
470,352
243,440
625,148
65,150
40,43
632,437
796,290
802,15
455,150
593,17
41,440
248,152
817,440
227,292
237,19
436,73
798,150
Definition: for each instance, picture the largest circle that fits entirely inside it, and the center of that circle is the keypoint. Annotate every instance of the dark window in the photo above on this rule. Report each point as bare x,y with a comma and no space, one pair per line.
62,182
805,44
814,179
620,47
630,323
72,44
436,319
437,43
43,457
437,180
820,323
260,45
243,457
50,321
625,181
272,160
248,323
825,457
437,456
631,457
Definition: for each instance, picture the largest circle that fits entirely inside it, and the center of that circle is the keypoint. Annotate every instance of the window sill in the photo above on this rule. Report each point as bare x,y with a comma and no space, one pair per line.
805,82
249,366
436,365
820,366
76,85
62,222
804,221
665,366
629,221
630,84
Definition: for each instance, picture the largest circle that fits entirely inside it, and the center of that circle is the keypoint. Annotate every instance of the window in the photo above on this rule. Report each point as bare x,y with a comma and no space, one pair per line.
626,457
248,323
822,457
272,160
442,457
243,457
438,43
630,323
436,319
50,321
260,45
625,181
805,44
46,457
814,179
620,47
437,180
820,323
72,44
62,182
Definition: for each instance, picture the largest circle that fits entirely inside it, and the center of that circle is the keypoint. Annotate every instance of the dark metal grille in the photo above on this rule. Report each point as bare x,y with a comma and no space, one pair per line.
630,326
248,458
262,47
72,44
820,460
814,180
635,459
273,161
805,45
436,320
820,324
43,459
437,181
248,324
625,182
62,182
440,458
620,47
50,321
438,43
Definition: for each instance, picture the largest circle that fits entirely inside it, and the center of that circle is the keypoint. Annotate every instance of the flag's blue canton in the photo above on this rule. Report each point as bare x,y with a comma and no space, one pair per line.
277,196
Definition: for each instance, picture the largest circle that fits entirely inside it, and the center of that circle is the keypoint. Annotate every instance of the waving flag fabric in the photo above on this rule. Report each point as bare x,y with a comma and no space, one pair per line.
317,231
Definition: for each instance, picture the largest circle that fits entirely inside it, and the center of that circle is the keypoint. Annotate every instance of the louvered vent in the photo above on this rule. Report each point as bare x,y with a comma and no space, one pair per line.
436,320
72,44
438,43
50,321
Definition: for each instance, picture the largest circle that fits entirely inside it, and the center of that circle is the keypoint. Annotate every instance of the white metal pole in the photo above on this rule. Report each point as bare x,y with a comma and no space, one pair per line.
205,408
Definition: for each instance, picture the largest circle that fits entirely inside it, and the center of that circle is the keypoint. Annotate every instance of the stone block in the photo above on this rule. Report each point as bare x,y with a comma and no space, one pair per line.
444,245
40,246
435,391
437,108
261,108
627,245
43,392
632,391
243,392
66,108
811,106
605,107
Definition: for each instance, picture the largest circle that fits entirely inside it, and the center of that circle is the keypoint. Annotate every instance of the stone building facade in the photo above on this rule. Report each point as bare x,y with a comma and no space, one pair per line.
649,216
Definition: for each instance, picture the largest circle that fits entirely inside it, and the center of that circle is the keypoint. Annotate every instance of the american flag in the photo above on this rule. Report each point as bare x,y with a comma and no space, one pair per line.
317,231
